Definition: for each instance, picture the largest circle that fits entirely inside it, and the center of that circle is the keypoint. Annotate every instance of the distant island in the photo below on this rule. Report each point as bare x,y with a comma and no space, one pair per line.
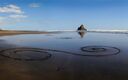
82,27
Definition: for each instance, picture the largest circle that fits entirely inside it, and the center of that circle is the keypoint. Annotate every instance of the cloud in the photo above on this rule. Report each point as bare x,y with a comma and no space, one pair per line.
11,9
34,5
2,18
12,15
16,16
1,23
9,21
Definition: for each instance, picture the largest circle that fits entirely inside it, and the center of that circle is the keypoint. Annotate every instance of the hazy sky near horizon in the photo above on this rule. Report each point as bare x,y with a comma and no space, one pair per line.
63,14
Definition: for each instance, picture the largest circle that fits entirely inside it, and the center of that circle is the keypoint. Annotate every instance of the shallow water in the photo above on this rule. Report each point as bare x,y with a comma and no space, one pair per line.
64,56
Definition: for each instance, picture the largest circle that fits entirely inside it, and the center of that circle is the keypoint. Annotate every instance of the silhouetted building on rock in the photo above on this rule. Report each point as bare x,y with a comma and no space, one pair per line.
82,28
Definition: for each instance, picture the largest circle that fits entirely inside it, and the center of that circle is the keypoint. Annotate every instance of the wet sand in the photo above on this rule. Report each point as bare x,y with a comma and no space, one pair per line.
63,58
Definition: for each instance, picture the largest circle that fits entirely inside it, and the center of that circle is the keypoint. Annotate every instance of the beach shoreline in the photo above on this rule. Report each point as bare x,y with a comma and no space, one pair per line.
18,32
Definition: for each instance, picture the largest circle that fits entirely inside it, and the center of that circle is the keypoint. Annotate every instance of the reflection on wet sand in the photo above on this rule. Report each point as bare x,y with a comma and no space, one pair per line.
81,33
57,59
4,44
31,40
65,38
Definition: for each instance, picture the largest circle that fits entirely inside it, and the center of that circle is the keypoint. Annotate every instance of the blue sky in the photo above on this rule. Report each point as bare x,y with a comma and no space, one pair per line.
63,14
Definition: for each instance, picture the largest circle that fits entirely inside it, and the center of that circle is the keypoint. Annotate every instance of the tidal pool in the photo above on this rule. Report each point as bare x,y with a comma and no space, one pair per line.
64,56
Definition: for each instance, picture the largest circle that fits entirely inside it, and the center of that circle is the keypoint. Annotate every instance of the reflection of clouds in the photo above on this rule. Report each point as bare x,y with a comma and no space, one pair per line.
5,44
30,40
49,35
65,38
1,40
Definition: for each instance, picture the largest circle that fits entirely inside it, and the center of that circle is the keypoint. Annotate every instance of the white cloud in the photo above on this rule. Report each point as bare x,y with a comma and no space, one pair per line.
12,15
16,16
34,5
1,23
11,9
9,21
2,18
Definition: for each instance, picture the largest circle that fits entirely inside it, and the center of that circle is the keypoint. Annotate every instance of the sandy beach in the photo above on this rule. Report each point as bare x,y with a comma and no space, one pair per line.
16,32
63,56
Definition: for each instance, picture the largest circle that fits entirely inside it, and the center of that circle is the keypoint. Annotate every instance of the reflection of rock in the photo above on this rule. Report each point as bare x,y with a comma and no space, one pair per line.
82,28
82,33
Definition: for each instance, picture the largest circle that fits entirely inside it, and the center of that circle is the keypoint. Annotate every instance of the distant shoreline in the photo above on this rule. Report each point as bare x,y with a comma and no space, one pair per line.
109,31
18,32
93,30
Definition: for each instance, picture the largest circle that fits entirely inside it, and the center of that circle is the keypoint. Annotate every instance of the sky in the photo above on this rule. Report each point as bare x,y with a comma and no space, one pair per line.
63,14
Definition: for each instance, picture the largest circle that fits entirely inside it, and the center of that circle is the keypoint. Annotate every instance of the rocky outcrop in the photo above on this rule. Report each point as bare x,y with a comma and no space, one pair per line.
82,28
